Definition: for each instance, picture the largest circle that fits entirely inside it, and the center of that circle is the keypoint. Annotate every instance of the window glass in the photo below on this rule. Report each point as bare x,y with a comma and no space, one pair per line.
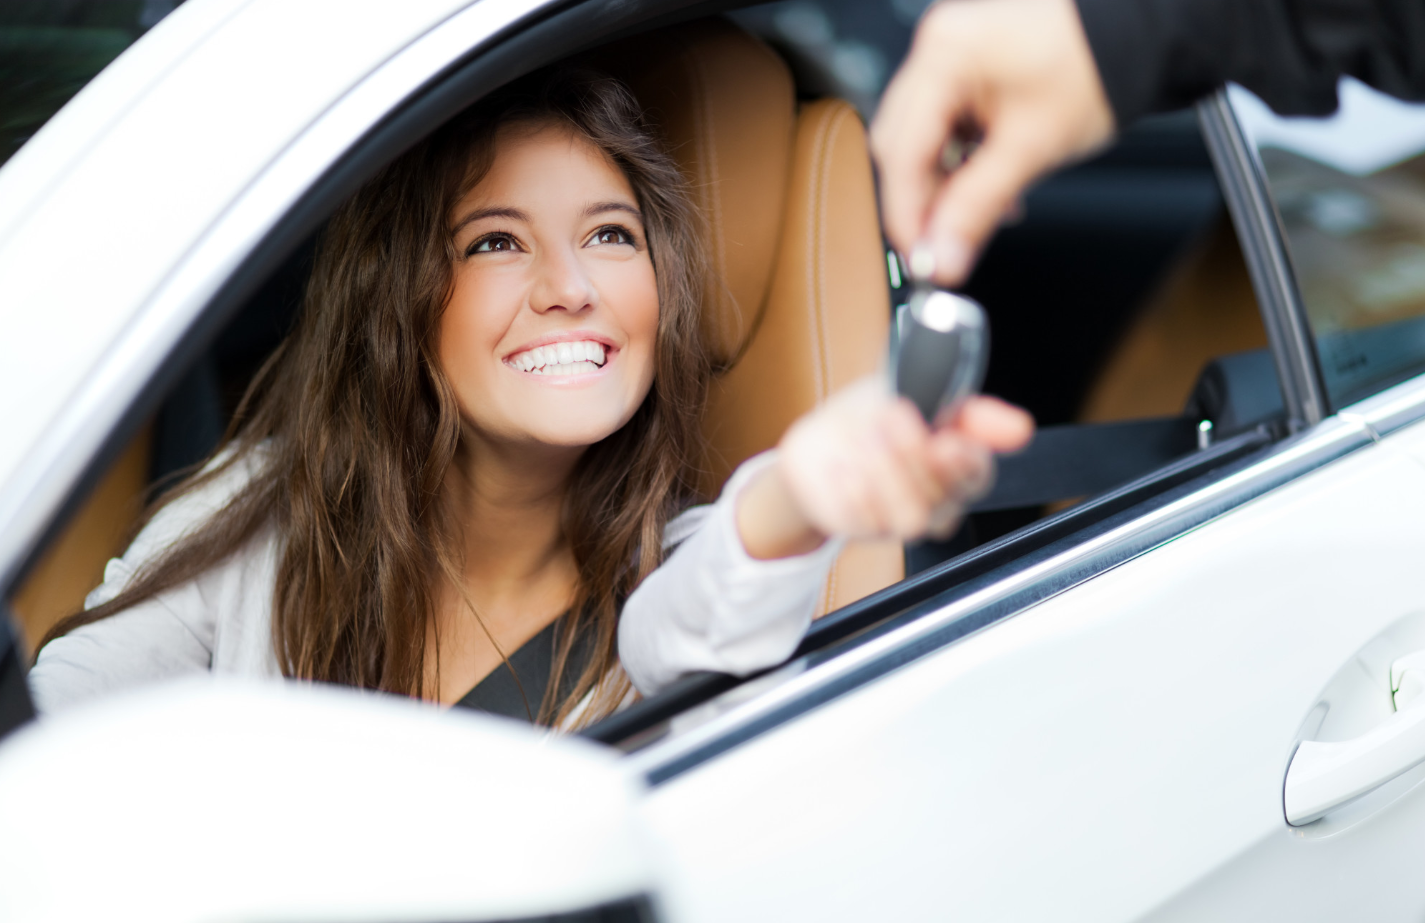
1351,193
49,49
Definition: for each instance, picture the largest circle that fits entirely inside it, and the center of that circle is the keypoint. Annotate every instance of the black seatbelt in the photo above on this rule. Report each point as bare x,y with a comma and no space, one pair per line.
15,705
1082,459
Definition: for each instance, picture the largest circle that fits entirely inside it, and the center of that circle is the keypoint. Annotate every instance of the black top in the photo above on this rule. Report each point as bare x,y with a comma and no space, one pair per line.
1158,55
500,694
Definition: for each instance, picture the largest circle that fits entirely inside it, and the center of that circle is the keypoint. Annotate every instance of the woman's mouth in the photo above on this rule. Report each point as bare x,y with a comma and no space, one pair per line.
573,357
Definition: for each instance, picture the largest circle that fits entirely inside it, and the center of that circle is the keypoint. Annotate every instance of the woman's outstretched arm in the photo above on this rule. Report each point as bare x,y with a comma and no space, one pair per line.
220,621
712,606
738,594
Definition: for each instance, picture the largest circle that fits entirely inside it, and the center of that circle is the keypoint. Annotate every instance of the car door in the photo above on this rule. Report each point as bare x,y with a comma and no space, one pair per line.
1105,732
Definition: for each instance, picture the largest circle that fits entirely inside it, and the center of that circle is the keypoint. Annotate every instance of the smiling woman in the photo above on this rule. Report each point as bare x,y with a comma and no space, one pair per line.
399,508
573,453
553,313
467,475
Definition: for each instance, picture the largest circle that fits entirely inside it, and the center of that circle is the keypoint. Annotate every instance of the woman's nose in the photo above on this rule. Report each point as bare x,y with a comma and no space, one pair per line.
562,284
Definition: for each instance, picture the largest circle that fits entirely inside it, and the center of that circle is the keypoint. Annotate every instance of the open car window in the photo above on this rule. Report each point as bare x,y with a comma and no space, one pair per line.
1350,192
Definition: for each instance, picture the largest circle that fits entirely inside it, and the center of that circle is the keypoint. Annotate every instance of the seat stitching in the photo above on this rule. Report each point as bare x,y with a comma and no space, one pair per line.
838,118
821,196
812,270
709,165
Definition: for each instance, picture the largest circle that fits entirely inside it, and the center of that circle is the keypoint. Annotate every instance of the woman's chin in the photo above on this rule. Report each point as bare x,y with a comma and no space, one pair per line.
570,432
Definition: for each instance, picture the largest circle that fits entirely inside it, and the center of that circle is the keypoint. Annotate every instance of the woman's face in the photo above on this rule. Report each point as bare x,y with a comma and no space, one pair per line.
549,334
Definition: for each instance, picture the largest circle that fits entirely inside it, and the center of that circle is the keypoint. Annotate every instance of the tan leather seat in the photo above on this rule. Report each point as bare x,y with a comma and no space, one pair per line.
790,203
74,562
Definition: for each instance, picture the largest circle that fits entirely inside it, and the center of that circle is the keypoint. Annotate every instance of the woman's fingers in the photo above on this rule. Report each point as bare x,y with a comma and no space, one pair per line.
945,520
902,506
865,465
997,425
913,482
965,468
906,434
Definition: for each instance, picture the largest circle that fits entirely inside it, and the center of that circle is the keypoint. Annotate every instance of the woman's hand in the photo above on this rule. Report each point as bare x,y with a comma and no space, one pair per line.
865,465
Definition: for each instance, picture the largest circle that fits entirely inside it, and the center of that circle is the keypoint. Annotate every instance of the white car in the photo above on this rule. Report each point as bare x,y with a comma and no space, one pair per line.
1192,695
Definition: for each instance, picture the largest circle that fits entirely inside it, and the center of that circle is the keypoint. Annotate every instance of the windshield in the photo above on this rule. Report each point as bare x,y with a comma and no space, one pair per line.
49,49
1351,193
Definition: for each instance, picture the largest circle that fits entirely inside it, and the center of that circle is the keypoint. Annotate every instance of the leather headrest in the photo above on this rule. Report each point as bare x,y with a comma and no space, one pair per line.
725,102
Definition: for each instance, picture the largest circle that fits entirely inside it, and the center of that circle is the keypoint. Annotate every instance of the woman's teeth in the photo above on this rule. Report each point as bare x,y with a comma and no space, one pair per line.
570,358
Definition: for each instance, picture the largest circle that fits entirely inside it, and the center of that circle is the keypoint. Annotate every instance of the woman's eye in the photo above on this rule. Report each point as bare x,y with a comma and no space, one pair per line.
613,235
493,243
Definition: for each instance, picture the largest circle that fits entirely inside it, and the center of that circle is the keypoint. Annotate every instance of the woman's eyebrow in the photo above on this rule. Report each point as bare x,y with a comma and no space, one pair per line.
494,211
599,208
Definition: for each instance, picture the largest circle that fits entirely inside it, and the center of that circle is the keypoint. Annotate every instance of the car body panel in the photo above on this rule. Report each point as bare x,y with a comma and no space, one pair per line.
1085,759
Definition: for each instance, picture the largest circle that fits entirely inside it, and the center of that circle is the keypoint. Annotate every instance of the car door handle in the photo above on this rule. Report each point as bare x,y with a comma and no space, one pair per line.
1326,775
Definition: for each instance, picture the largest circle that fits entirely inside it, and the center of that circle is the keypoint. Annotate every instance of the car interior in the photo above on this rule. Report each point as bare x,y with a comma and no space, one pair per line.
1121,312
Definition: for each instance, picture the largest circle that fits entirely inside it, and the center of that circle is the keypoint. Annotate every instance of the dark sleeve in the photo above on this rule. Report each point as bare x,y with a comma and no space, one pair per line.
1158,55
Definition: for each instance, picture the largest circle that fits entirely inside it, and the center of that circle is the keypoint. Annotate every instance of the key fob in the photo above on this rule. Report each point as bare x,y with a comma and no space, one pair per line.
942,351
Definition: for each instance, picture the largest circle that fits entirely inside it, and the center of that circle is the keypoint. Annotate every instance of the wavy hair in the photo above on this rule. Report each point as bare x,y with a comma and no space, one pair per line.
357,426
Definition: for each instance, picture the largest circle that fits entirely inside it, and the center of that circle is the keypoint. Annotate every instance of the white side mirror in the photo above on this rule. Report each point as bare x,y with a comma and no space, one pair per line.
220,800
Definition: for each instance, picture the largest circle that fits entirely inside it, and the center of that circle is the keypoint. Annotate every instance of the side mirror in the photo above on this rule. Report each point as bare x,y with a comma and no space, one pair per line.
216,799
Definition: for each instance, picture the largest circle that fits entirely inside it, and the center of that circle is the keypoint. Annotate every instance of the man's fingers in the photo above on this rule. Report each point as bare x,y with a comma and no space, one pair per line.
906,139
972,202
1019,70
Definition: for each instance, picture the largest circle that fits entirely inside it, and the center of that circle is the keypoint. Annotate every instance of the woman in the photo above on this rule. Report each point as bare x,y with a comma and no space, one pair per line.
460,469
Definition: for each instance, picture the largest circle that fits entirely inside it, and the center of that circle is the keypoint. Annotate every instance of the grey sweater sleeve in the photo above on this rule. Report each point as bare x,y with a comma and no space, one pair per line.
169,635
711,606
145,644
1158,55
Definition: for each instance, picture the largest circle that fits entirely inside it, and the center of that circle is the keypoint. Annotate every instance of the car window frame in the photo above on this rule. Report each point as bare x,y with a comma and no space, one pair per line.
1262,237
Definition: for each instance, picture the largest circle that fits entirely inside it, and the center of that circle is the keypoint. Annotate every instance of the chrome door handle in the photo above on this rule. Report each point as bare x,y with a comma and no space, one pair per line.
1326,775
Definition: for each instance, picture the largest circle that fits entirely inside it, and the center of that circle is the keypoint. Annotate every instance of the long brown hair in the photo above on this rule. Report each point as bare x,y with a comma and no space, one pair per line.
356,426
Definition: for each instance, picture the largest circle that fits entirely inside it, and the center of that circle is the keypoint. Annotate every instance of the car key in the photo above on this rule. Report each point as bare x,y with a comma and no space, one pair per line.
943,346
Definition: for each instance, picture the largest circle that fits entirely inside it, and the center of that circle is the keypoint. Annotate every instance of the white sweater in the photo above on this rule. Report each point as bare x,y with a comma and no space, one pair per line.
709,607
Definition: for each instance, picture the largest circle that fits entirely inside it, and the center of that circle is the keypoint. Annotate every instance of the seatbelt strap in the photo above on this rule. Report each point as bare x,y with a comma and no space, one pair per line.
15,705
1082,459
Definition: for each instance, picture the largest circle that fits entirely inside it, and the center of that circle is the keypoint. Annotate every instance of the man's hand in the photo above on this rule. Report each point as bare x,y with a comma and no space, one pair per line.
865,465
1021,72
